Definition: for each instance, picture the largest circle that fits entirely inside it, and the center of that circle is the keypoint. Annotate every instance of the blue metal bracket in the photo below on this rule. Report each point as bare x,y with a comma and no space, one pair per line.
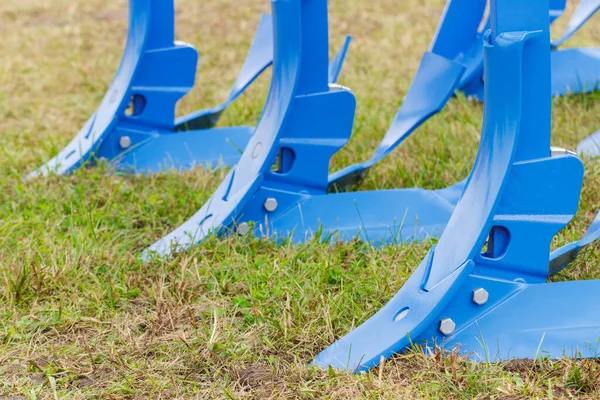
579,69
455,62
135,126
494,303
279,187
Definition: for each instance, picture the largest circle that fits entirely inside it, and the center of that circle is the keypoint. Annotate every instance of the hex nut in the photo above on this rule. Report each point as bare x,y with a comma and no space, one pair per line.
447,326
125,142
270,204
480,296
243,229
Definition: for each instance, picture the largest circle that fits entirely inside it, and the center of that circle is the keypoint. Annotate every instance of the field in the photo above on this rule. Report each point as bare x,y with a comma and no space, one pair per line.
81,316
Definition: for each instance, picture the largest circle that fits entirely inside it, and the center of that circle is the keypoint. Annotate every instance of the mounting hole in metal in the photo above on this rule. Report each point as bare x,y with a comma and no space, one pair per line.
401,314
136,106
497,243
284,161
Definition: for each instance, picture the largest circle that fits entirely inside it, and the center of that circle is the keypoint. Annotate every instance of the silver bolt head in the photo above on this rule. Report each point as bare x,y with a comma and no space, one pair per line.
559,151
480,296
125,142
270,204
337,87
447,326
243,229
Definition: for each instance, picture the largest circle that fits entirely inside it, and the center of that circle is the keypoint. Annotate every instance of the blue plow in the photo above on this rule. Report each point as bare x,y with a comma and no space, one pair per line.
494,302
135,126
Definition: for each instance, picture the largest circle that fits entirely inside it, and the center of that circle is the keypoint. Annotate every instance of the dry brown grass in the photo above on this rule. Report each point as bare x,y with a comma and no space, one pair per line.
82,317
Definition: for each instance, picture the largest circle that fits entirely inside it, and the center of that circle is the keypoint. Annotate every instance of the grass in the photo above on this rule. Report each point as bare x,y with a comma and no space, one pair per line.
82,317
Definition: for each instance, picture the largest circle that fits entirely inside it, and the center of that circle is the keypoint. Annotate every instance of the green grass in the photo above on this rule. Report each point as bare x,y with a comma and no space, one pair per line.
82,317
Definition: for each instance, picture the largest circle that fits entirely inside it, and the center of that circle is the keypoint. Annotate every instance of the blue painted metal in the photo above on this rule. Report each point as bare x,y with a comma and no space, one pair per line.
208,147
590,146
518,197
304,123
455,62
434,83
588,61
154,68
584,11
563,256
135,126
259,58
575,70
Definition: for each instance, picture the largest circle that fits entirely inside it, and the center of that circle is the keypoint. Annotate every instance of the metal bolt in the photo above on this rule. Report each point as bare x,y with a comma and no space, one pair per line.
447,326
559,151
337,87
270,204
243,229
480,296
125,142
256,151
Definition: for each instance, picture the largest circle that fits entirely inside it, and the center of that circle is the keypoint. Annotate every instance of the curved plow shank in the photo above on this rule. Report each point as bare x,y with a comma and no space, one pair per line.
208,147
299,76
573,70
584,11
434,83
303,125
495,304
455,62
259,58
450,65
295,207
154,74
134,127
